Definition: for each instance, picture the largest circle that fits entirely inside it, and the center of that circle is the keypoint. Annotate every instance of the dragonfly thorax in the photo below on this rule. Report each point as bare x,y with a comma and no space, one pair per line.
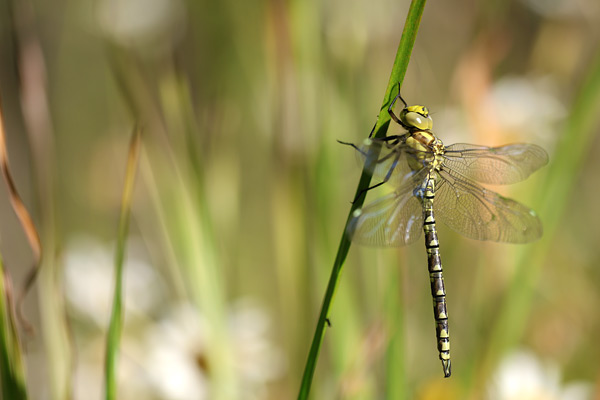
416,118
428,148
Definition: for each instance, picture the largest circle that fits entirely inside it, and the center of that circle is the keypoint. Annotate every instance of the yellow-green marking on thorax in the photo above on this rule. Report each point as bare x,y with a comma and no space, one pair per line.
428,147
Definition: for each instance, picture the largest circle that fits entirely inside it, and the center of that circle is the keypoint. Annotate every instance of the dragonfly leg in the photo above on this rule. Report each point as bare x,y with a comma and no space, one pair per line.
372,130
362,192
391,138
354,146
385,178
383,139
365,154
391,107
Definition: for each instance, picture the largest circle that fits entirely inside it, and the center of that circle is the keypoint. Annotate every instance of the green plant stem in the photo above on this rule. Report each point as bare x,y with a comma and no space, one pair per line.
116,319
12,373
407,41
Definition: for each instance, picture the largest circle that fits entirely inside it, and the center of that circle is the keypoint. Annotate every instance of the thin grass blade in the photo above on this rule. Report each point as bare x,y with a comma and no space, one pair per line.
24,218
116,319
12,376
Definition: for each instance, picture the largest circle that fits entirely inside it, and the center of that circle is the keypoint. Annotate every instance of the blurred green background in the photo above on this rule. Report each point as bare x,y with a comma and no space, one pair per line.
243,193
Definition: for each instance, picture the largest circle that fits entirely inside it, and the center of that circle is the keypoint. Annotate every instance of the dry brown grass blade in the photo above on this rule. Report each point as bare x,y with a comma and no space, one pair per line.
25,219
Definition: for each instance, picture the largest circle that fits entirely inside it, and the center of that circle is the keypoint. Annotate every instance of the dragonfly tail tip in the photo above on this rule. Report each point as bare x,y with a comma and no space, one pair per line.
447,368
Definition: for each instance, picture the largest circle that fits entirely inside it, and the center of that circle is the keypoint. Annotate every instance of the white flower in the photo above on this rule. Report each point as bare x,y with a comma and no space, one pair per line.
179,365
176,355
89,281
525,105
522,376
173,358
517,109
554,9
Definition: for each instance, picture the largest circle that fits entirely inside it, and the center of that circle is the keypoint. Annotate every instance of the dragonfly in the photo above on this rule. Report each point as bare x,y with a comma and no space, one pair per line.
434,182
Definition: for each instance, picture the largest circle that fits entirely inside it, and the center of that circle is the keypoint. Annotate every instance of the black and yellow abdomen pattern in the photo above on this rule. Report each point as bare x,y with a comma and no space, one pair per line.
436,277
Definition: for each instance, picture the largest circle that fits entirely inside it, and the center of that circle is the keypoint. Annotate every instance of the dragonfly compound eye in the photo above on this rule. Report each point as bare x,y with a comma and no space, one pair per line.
416,117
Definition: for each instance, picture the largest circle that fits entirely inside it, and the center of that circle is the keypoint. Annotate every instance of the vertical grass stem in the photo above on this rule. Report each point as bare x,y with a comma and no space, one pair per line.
407,41
116,319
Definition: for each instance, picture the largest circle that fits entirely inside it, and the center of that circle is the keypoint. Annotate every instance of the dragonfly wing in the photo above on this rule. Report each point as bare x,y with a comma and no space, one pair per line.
395,163
495,165
393,220
481,214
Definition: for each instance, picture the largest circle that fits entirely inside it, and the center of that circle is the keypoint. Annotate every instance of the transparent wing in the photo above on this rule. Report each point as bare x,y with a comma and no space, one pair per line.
495,165
481,214
395,162
393,220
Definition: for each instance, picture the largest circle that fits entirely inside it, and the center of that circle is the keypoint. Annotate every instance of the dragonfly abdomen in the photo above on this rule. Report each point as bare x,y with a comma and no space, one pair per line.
438,292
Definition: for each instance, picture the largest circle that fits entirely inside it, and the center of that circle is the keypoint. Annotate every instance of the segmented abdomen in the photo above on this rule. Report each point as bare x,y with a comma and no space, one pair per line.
436,277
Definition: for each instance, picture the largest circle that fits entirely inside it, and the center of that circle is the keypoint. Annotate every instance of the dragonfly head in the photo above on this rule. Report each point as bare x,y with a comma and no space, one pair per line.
416,117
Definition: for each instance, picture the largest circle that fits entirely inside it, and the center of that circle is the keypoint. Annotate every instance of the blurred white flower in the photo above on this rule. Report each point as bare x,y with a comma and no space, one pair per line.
88,378
515,108
527,106
151,25
176,359
255,358
178,363
522,376
559,8
170,359
89,281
